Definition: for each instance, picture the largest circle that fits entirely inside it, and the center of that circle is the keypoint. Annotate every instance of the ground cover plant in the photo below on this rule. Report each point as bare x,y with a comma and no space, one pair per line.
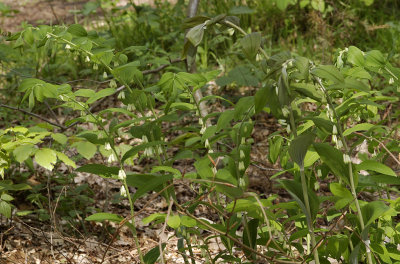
166,103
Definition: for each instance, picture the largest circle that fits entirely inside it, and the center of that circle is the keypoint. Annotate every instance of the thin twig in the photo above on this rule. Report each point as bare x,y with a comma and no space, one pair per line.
33,114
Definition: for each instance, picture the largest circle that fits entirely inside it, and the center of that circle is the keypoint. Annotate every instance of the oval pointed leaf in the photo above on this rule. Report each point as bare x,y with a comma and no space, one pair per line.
46,158
299,146
373,165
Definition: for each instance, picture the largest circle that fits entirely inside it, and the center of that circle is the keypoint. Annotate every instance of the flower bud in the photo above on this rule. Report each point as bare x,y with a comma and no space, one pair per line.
346,159
334,130
121,175
121,95
67,47
107,146
112,158
87,59
241,166
207,144
105,75
241,154
123,191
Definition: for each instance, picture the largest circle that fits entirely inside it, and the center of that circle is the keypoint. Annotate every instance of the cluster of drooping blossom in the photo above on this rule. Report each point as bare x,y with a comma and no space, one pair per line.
148,152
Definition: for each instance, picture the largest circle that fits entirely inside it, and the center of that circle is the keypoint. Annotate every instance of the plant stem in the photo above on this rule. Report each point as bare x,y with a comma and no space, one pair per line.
350,164
305,193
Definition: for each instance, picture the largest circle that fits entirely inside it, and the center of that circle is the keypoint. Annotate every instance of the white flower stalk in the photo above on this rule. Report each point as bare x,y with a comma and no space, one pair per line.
334,130
105,76
121,175
241,166
121,95
346,159
123,191
107,146
112,158
87,59
241,154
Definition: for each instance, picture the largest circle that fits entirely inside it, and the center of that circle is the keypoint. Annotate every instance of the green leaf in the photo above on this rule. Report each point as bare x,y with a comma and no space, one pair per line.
98,217
46,158
328,72
333,158
372,211
187,221
60,138
260,99
151,184
22,152
154,217
77,30
224,119
195,34
243,106
153,254
5,209
299,146
358,72
64,158
374,59
344,196
174,221
323,124
355,56
128,73
250,44
283,4
318,5
99,169
250,237
175,172
100,94
376,166
358,127
85,148
275,146
295,190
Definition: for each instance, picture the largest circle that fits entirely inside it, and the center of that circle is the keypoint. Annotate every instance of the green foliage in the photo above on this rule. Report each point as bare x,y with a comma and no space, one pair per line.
330,110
